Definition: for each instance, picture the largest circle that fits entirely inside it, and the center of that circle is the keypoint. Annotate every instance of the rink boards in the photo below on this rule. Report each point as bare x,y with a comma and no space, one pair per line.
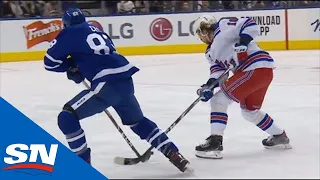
293,29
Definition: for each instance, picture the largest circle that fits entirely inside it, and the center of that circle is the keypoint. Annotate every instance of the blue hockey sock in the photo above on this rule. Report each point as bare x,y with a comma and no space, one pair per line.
149,131
70,126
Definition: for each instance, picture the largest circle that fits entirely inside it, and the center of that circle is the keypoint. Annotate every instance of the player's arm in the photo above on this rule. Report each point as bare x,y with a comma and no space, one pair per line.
206,91
56,57
216,70
247,30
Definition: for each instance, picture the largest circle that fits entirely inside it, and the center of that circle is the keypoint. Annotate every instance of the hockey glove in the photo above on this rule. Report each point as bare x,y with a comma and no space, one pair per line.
240,50
205,92
75,75
71,62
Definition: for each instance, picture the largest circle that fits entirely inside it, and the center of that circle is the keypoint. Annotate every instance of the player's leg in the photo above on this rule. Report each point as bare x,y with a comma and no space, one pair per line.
212,147
83,105
235,89
250,109
131,115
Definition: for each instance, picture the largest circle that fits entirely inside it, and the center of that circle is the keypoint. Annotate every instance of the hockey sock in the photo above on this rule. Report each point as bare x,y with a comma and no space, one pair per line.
70,127
148,130
218,122
268,125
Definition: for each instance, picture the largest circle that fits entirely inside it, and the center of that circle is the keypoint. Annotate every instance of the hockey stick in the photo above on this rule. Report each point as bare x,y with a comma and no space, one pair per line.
143,158
147,154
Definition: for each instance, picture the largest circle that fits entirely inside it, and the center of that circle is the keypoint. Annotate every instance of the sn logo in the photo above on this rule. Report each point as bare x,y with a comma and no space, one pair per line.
17,159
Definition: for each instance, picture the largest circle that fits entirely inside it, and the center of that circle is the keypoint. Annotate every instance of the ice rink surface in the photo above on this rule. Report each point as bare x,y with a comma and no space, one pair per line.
165,87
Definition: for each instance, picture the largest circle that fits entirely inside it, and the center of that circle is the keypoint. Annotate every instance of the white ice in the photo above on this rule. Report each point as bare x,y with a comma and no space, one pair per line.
165,87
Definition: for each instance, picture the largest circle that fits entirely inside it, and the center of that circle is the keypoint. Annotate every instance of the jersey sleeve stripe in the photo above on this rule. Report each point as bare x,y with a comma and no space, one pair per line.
52,59
51,67
216,68
248,23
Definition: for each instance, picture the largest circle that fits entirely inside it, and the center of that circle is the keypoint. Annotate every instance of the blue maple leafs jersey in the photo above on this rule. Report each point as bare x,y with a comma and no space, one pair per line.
91,50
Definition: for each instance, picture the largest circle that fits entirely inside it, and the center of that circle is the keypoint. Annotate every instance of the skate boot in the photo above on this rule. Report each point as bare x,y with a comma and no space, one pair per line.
86,156
179,161
211,149
277,142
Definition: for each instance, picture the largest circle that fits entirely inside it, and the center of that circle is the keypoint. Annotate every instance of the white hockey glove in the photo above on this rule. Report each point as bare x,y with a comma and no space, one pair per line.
240,51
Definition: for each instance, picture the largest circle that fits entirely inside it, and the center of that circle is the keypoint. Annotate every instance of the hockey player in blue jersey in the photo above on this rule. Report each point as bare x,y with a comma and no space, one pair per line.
85,52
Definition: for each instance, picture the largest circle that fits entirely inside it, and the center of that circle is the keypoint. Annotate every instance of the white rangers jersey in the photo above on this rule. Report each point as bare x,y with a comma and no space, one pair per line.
220,53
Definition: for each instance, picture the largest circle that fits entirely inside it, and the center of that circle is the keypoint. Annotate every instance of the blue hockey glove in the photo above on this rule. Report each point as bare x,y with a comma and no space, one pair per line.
205,92
75,75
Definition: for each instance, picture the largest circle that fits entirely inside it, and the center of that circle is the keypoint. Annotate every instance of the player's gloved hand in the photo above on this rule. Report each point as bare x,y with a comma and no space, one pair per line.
71,63
240,50
75,75
205,92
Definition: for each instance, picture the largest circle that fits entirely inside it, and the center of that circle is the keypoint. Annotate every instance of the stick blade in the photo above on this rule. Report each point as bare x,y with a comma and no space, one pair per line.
132,161
126,161
119,160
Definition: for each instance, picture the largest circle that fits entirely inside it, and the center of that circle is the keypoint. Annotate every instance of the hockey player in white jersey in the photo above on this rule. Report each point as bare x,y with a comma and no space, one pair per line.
230,45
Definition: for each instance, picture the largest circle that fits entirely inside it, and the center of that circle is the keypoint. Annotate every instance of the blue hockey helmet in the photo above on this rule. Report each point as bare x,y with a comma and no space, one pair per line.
72,16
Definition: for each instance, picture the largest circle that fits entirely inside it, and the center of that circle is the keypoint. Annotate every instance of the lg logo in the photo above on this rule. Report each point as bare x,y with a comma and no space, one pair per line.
161,29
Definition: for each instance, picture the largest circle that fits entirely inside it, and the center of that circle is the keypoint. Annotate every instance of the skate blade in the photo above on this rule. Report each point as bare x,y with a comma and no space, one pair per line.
188,169
119,160
209,155
279,146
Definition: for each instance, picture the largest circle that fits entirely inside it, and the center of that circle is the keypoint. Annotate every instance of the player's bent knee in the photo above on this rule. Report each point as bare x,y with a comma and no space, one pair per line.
143,128
253,116
68,122
68,108
130,119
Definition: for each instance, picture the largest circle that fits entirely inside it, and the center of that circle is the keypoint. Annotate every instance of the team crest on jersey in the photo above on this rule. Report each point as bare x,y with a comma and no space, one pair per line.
226,64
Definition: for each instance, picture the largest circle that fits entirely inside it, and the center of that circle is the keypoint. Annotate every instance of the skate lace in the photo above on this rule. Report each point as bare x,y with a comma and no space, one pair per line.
270,139
206,143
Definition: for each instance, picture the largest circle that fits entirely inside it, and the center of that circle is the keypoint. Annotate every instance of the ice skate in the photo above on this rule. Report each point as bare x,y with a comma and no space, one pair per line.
86,156
88,160
277,142
211,149
179,161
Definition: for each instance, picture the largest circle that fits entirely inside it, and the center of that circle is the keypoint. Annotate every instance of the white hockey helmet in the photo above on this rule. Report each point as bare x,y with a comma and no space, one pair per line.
202,23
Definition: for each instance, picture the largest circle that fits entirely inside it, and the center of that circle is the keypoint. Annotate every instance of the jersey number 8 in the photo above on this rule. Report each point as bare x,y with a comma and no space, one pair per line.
98,43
